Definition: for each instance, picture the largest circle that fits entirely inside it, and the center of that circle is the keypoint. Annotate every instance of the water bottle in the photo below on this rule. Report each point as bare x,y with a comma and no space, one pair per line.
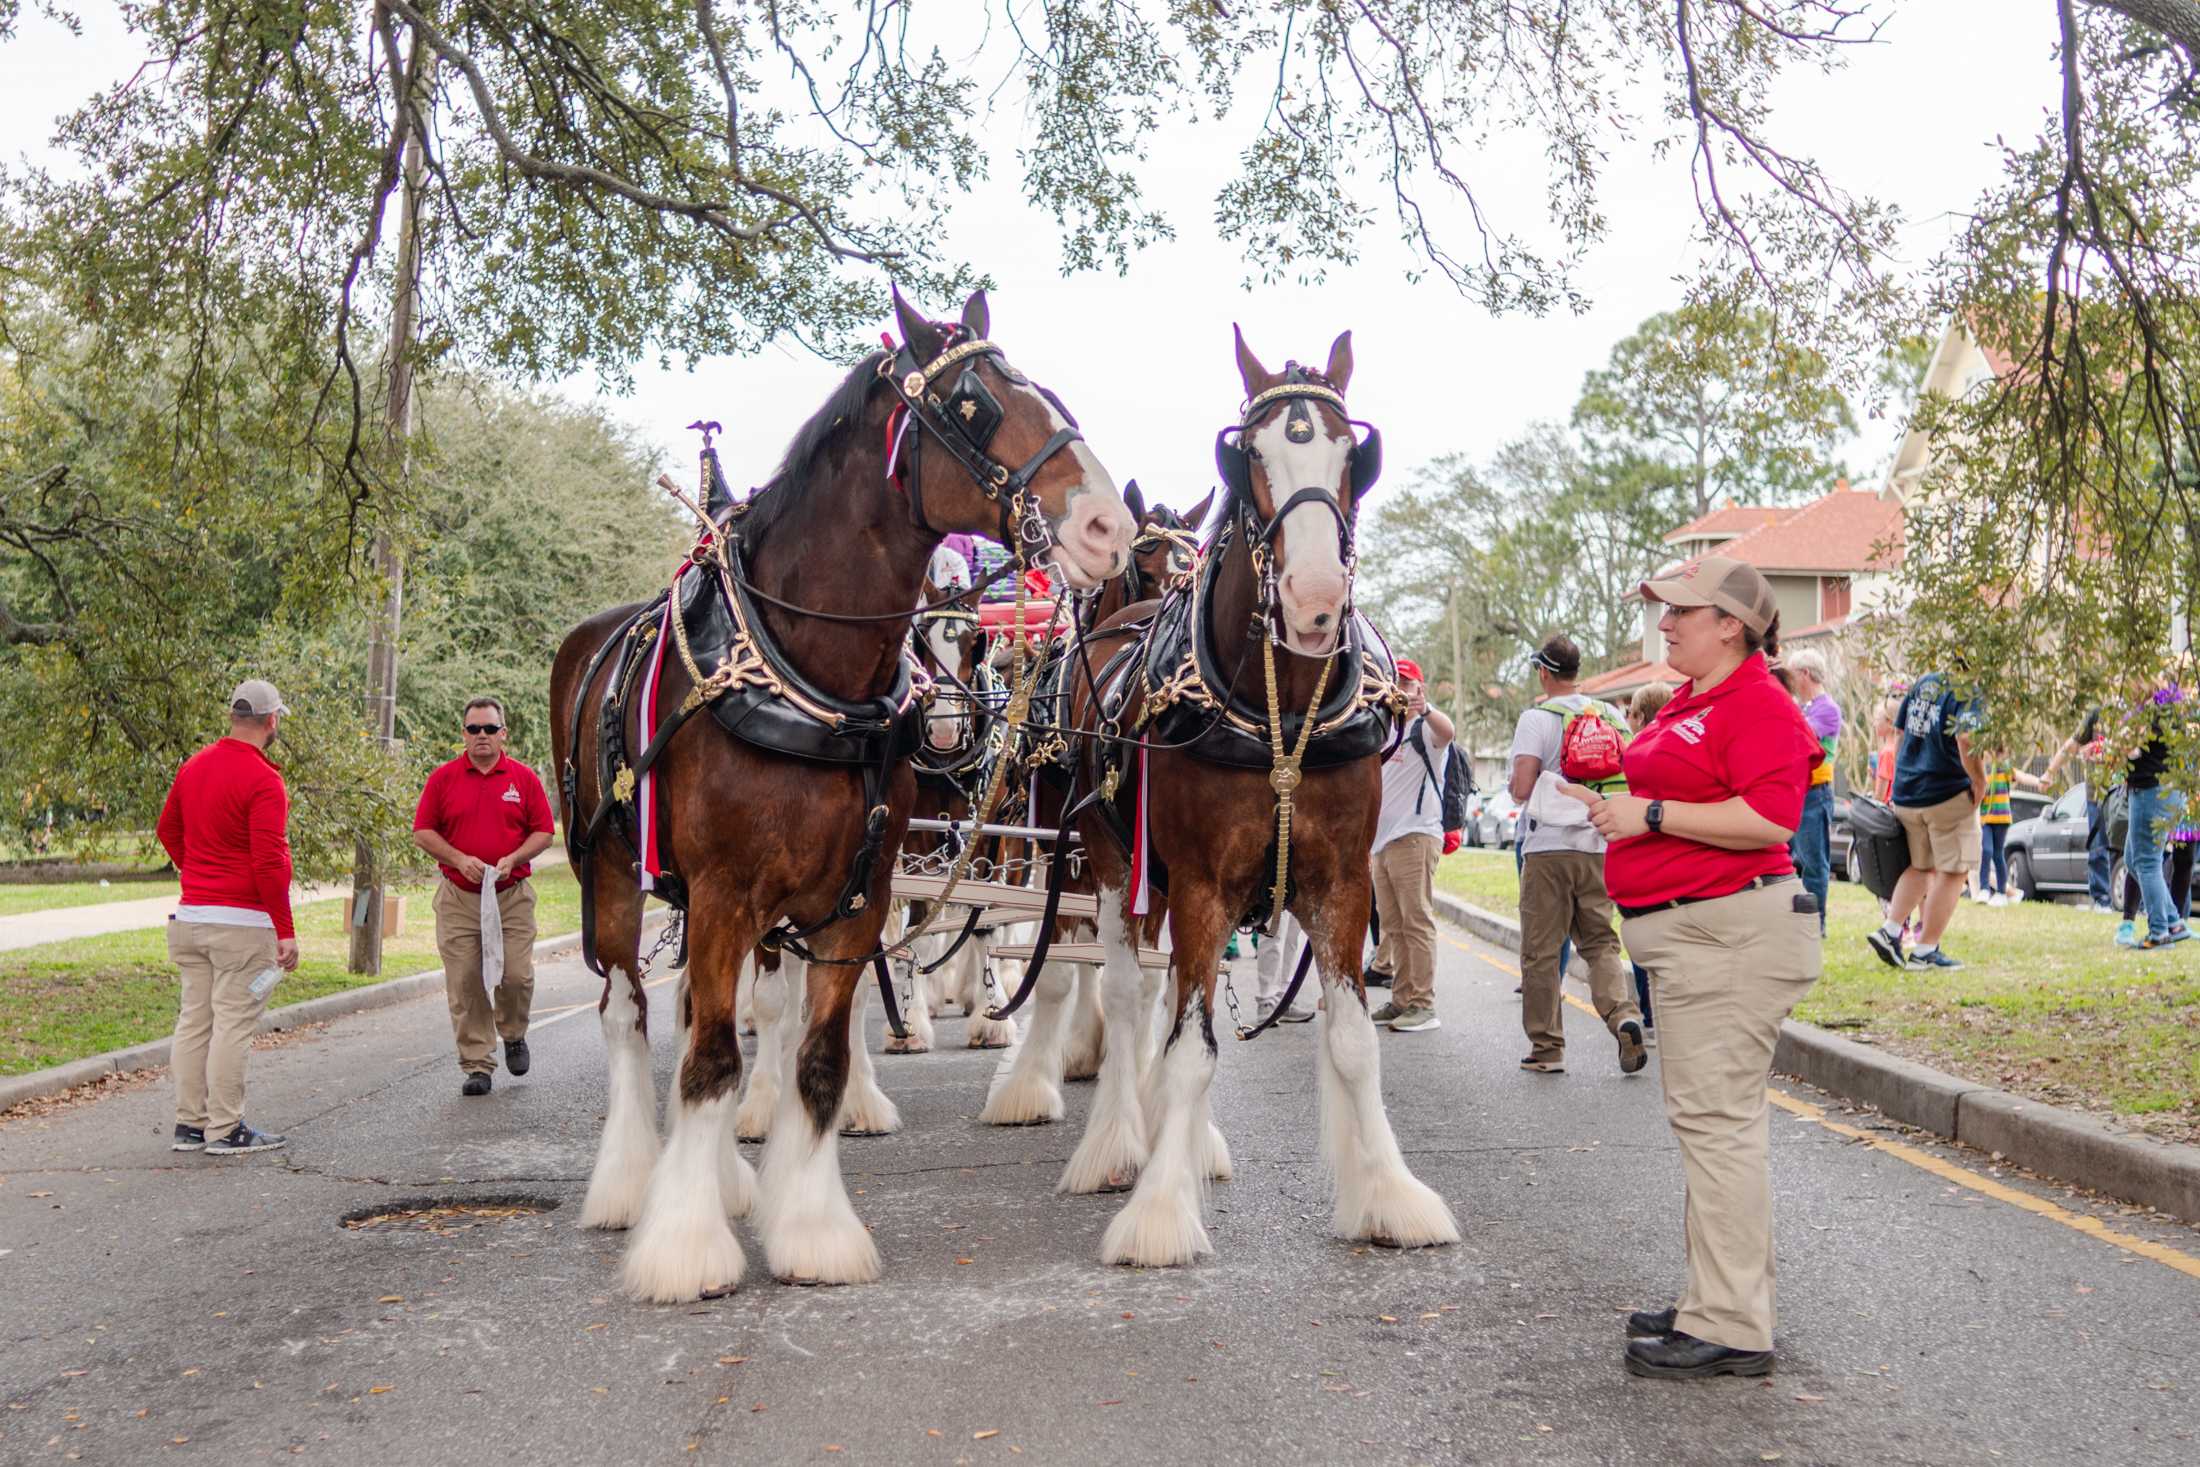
263,982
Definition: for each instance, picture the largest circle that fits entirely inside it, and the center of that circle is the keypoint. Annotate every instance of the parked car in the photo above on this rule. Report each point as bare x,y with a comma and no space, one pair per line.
1498,820
2047,846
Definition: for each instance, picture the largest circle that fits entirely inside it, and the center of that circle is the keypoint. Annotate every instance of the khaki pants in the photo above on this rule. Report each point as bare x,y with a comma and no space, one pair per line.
1562,895
477,1024
1405,888
1943,837
217,1018
1724,973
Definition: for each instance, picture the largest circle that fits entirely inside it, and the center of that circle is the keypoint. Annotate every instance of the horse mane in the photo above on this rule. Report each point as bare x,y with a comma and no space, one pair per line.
822,432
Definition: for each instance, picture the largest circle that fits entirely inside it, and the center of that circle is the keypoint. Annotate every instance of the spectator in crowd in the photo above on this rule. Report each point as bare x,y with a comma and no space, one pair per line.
1885,742
1993,829
1641,709
484,817
1699,866
2177,865
1812,846
224,825
2087,744
1562,891
1274,963
1938,784
2155,814
1409,833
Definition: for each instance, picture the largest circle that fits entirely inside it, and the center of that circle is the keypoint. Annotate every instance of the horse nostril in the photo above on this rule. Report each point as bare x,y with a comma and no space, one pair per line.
1322,620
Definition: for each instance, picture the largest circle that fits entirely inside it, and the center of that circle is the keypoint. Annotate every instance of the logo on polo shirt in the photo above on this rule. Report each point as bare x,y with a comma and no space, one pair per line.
511,793
1691,729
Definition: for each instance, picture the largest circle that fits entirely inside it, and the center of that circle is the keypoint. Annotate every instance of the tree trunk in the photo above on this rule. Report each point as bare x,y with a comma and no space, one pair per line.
389,562
2177,20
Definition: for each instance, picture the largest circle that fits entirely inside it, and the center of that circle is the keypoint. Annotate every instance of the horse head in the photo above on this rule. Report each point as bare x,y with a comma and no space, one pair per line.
1014,466
1295,469
1166,547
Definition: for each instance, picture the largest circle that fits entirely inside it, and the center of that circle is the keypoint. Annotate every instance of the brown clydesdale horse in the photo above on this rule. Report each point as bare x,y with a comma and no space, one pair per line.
759,837
1212,827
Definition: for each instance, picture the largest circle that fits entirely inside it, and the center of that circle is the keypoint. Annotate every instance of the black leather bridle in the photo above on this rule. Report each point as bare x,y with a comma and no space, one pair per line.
963,423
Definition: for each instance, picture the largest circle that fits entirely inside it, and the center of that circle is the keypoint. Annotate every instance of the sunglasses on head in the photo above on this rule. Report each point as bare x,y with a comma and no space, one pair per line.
484,728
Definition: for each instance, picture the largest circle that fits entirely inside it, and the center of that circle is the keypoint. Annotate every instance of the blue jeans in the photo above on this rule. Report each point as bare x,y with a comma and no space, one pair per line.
2098,861
2153,812
1642,995
1993,871
1811,847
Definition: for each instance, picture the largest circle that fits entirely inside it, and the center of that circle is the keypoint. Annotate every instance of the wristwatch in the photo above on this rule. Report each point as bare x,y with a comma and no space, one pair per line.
1654,815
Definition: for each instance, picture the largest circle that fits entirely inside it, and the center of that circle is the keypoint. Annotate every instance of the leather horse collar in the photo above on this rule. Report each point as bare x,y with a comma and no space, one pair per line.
963,423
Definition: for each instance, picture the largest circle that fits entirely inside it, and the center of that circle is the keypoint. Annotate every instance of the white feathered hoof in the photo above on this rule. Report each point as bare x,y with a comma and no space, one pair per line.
1022,1100
736,1182
866,1110
909,1044
753,1121
620,1181
1392,1208
1157,1228
991,1033
1106,1160
1213,1157
820,1243
680,1252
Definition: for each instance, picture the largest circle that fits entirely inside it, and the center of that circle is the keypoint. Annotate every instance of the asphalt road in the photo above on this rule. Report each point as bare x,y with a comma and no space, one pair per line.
158,1307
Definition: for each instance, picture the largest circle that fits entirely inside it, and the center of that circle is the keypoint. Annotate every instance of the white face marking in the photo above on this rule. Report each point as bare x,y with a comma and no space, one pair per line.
1098,481
1311,572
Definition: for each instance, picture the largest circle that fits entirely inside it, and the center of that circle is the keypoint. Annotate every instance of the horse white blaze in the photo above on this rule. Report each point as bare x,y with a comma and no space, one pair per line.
1311,576
1093,536
1114,1143
1160,1226
627,1152
1377,1196
682,1248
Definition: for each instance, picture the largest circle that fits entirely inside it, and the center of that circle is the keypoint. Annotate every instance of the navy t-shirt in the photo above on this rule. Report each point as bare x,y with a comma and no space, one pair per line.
1929,767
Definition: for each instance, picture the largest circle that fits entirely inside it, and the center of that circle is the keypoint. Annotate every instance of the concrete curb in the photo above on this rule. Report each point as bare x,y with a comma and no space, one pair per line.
19,1088
2027,1133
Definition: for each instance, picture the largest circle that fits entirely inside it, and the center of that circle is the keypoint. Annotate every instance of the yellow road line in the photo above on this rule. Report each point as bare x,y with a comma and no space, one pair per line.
1940,1167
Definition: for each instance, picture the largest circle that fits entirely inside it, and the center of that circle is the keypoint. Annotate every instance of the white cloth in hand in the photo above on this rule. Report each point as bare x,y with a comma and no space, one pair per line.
1550,805
492,929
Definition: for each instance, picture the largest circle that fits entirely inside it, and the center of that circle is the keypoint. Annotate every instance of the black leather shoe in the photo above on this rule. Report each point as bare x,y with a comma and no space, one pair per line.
516,1058
1376,978
1648,1324
1678,1356
476,1084
1632,1054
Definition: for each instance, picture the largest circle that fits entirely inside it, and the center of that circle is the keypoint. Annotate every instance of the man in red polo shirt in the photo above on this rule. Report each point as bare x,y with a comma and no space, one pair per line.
223,825
483,816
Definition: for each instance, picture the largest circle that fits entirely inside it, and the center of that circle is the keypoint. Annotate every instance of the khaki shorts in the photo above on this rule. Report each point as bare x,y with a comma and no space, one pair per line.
1943,837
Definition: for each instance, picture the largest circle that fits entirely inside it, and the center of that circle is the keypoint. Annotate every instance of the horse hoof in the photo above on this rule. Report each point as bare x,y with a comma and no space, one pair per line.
1030,1121
1121,1181
996,1044
853,1131
798,1283
725,1293
752,1140
907,1046
1383,1240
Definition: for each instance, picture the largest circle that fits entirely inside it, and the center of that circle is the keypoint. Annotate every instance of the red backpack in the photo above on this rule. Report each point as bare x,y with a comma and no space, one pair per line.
1590,744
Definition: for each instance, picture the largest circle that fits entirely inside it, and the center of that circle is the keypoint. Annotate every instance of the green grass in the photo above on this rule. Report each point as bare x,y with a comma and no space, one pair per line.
45,896
2046,1004
65,1000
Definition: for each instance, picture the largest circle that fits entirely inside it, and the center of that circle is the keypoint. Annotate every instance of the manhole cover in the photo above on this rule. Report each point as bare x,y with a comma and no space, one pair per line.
444,1216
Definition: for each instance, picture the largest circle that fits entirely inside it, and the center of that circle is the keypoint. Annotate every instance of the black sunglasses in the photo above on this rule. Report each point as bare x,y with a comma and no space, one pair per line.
484,728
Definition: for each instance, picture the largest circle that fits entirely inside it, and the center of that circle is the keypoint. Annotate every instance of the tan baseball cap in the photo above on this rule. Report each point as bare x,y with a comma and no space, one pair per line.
256,696
1735,588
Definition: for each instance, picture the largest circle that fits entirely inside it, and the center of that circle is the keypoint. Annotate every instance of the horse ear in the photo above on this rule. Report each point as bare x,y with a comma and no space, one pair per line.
1256,377
1197,515
1134,500
977,320
1340,362
922,336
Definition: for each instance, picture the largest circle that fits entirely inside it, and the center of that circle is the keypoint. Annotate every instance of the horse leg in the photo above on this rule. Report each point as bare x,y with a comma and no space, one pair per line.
1160,1226
916,1004
1087,1030
811,1232
1027,1095
682,1247
865,1110
744,999
1377,1197
774,1026
627,1152
983,990
1114,1143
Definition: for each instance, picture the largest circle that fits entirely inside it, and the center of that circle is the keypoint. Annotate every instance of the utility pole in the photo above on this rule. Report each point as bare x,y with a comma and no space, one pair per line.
389,561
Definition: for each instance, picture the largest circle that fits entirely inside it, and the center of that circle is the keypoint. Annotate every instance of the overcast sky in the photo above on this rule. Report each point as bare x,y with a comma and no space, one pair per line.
1145,360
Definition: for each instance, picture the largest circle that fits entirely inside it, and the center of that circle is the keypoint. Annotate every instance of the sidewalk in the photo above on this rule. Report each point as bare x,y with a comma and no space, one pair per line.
63,924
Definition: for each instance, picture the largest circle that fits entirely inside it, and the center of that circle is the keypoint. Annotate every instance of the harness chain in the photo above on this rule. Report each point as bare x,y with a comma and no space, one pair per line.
1285,775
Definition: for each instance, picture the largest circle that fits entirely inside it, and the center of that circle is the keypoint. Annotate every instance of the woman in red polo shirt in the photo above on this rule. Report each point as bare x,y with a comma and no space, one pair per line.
1710,904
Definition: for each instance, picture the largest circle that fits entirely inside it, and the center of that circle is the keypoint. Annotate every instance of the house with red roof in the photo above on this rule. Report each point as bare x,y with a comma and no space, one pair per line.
1829,562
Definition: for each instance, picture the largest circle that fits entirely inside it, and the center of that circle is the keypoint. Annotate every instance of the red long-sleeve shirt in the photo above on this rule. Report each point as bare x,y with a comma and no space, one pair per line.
223,825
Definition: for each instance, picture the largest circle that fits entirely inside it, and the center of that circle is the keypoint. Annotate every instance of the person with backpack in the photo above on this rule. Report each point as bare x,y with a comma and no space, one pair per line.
1567,737
1939,782
1408,833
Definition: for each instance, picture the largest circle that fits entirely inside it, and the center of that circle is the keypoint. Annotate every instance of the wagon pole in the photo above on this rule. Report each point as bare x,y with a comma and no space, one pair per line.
367,890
